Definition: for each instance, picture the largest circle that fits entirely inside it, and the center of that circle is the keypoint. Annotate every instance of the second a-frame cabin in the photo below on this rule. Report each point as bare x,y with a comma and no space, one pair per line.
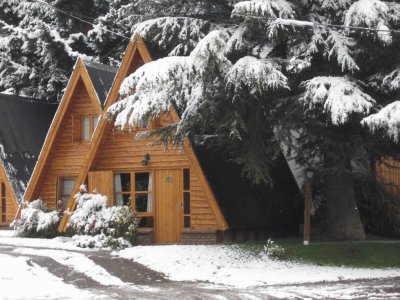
70,134
167,187
24,123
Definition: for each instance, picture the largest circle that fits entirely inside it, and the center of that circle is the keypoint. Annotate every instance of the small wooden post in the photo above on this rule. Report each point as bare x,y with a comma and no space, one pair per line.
307,210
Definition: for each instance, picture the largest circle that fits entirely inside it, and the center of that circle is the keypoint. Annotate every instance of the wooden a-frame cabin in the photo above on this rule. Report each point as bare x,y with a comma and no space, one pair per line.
70,134
24,123
168,188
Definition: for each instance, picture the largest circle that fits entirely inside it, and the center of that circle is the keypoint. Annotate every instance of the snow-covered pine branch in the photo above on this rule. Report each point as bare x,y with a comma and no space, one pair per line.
339,97
257,75
179,81
334,5
392,80
370,13
270,9
177,35
387,119
341,46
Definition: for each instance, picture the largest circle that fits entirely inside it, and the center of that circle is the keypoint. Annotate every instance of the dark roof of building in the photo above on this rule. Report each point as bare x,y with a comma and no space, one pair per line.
24,123
102,77
276,208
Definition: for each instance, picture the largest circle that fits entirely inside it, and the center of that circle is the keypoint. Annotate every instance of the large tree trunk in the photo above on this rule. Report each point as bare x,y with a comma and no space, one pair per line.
342,214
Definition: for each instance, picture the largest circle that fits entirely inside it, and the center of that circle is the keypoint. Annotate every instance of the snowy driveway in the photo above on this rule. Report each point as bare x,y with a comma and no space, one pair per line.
50,269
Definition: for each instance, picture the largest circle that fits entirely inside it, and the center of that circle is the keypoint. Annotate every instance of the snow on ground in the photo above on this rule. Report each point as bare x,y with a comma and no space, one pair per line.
229,265
7,237
7,233
22,279
78,262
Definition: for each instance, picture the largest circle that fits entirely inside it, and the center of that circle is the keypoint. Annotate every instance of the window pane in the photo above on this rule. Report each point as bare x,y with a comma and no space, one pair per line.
186,204
146,222
95,121
142,182
68,186
186,221
144,203
122,199
122,182
186,179
86,128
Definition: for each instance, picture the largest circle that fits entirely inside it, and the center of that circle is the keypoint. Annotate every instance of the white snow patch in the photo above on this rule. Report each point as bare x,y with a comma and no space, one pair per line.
229,265
22,279
56,243
8,233
78,262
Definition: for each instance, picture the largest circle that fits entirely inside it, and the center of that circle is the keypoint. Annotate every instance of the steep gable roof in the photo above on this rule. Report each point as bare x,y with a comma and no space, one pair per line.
102,77
24,123
80,74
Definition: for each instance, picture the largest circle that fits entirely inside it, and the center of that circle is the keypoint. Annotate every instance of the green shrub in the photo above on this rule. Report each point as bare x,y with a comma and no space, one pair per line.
100,226
37,221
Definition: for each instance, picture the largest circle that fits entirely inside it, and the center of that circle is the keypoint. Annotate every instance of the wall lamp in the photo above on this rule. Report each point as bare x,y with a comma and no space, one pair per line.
146,160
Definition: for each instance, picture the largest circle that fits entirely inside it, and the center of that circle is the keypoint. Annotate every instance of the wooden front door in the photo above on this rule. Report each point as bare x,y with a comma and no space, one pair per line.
168,206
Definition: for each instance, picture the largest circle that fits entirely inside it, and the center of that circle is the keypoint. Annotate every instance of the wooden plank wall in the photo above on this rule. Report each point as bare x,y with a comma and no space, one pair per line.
388,173
66,156
119,151
11,204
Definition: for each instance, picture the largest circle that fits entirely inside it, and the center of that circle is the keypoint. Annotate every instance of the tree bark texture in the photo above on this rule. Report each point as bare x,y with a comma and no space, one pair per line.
342,215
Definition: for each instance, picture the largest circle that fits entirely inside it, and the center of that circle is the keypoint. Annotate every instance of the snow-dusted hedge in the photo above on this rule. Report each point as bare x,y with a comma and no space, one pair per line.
96,225
37,220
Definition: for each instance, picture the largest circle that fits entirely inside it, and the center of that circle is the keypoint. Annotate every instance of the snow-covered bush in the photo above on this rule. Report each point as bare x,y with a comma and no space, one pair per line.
106,226
37,220
99,241
274,251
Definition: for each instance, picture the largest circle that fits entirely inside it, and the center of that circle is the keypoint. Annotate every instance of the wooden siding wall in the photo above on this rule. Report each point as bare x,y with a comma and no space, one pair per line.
11,204
388,173
66,156
119,151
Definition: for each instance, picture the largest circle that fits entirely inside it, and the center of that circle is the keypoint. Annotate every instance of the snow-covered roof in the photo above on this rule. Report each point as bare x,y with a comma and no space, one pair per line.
24,123
102,77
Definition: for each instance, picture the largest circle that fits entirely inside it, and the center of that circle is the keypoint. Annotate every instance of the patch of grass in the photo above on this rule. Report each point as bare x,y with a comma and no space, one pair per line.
368,254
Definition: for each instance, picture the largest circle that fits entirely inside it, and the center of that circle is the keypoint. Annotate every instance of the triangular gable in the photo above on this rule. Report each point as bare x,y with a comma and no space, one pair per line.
135,56
80,74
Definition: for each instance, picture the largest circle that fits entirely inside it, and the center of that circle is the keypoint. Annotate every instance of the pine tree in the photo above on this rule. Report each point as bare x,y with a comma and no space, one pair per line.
273,78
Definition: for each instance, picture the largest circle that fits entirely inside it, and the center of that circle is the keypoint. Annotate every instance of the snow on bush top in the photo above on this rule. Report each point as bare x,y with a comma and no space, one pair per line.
91,214
370,13
36,219
339,97
388,119
270,9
